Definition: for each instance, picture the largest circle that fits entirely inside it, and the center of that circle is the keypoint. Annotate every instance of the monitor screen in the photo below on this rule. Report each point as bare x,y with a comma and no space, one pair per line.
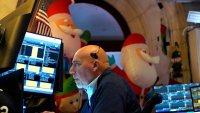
193,17
176,98
39,57
195,93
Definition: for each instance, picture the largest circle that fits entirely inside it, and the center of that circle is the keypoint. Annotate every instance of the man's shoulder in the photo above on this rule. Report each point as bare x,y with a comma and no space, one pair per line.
112,78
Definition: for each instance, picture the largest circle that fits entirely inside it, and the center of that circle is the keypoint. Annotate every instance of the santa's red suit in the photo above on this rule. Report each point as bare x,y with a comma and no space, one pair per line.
138,65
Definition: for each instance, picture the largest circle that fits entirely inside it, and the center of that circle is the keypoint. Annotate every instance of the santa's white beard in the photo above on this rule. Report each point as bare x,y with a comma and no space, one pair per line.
71,44
80,85
138,71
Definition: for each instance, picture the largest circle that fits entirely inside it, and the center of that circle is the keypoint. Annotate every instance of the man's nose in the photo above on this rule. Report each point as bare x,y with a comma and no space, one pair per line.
72,70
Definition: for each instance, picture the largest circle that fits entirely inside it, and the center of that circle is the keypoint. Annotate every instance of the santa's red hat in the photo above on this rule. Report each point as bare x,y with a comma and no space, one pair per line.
134,38
58,6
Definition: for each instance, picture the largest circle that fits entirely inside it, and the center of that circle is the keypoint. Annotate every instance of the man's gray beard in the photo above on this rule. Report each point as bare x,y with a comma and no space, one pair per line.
80,85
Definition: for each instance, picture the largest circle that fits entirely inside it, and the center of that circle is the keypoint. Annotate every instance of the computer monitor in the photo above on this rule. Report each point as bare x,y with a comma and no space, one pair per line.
39,57
176,98
12,30
12,94
195,94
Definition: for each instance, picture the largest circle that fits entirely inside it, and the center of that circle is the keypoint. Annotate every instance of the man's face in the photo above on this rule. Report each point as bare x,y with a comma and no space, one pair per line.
81,71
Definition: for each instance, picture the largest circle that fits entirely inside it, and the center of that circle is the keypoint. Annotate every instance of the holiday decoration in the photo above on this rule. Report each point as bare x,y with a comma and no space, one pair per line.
85,37
176,69
138,65
70,100
62,26
134,48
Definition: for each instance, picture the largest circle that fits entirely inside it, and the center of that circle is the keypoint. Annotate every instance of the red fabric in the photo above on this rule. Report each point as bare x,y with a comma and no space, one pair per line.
134,38
65,95
83,43
58,6
171,81
163,28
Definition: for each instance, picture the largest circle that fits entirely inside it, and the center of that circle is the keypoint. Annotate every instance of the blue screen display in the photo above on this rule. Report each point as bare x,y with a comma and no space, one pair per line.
176,98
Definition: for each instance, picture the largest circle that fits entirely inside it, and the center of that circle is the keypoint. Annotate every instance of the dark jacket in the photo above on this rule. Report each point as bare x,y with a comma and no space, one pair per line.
113,95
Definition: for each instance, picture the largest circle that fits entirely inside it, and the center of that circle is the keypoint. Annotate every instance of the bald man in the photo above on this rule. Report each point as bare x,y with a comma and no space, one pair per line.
107,92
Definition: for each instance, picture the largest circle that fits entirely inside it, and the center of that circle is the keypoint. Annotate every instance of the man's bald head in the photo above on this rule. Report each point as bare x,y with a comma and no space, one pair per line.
92,52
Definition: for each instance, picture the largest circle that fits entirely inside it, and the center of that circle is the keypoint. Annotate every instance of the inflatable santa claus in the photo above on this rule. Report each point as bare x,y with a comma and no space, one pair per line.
138,65
62,26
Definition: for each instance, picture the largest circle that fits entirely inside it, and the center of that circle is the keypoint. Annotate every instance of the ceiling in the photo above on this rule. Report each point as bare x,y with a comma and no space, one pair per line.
101,24
107,26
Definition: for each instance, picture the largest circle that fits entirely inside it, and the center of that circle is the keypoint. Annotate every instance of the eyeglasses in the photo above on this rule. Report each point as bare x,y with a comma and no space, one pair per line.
94,55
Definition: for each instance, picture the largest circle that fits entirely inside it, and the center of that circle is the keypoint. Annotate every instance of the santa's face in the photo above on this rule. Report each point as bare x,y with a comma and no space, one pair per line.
138,66
62,27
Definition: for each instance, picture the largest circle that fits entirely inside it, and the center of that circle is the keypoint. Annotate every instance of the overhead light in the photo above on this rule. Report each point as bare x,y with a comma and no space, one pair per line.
193,17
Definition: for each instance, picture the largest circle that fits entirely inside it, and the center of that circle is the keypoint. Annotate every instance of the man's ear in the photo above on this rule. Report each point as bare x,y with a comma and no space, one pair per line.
95,65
